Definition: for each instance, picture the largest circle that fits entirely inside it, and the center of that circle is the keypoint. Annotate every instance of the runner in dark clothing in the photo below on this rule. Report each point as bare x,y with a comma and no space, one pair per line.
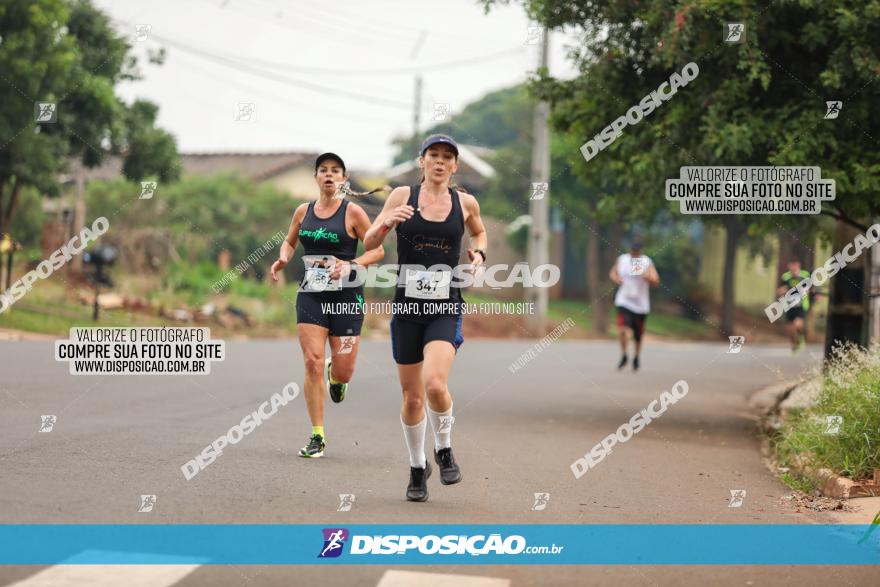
329,230
430,219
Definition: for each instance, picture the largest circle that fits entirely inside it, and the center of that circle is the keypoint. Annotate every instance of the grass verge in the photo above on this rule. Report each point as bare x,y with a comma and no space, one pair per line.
841,431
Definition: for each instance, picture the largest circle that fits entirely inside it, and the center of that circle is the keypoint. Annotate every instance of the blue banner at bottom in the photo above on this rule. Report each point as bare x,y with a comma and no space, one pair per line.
608,544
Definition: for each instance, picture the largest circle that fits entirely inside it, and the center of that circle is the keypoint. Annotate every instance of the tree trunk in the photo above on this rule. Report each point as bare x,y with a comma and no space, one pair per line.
595,272
3,181
873,290
6,222
733,230
847,307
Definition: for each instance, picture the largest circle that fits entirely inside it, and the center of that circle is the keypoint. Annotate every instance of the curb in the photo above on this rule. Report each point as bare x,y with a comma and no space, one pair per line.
767,401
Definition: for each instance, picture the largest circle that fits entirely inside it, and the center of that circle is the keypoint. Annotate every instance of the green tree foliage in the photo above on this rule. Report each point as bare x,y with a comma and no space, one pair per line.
200,216
761,102
66,52
756,103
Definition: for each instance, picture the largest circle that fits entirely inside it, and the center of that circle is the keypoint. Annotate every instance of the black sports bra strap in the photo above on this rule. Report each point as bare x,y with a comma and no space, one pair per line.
414,195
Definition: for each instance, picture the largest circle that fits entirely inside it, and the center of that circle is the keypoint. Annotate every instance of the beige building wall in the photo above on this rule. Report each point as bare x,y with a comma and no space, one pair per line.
755,280
299,182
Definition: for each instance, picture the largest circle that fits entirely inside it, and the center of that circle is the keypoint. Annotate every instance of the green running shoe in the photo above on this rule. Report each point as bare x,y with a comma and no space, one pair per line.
314,449
337,390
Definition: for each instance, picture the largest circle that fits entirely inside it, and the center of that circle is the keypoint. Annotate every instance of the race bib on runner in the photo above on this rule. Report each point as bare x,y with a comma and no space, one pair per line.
318,271
428,285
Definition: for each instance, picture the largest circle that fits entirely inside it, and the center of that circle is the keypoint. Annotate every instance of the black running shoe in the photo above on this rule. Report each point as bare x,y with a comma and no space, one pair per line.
417,490
314,449
622,362
337,390
449,471
636,363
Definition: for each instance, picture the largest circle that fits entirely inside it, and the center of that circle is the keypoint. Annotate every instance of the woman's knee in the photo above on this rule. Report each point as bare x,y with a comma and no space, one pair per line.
342,372
435,386
314,365
413,403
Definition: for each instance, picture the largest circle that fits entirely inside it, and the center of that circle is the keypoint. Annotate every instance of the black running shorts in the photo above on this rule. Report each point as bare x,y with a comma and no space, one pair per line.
341,312
628,319
408,339
793,314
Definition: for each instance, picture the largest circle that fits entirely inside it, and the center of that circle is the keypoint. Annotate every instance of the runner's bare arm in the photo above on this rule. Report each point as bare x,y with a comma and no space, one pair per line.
289,244
476,229
361,224
652,276
614,275
393,213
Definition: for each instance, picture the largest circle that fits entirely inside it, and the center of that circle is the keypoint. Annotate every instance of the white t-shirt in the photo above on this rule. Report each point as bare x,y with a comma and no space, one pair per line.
633,293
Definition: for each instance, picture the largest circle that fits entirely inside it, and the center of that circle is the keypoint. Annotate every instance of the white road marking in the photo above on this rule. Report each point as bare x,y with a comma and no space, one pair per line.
72,575
416,579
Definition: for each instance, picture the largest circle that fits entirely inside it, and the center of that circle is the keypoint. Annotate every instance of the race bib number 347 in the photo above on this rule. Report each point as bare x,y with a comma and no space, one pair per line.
428,285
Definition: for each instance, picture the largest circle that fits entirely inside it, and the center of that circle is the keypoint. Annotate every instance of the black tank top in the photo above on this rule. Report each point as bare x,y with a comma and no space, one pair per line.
320,236
426,243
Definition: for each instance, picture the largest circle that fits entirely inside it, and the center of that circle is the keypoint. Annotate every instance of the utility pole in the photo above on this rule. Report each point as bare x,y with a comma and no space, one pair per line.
417,112
539,230
873,292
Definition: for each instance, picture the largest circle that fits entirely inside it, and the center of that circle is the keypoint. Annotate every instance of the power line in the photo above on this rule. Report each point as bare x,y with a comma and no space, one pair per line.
286,100
409,70
296,82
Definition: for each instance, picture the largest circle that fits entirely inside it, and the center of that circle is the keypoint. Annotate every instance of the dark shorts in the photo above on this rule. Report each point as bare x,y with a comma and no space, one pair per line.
629,319
345,318
794,313
408,339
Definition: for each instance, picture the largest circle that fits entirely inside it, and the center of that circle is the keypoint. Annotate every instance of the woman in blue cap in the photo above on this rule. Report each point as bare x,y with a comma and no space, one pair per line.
430,219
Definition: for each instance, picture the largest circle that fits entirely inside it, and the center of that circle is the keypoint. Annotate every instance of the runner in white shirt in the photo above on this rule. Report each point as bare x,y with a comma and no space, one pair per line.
635,274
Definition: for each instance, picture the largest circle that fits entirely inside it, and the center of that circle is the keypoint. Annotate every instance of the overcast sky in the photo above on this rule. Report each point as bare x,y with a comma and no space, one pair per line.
322,75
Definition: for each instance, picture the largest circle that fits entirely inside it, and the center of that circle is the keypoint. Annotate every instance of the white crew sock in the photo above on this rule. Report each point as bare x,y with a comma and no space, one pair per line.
415,442
441,424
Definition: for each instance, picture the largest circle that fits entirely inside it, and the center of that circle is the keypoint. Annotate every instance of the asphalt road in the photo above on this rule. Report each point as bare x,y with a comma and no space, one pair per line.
516,434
